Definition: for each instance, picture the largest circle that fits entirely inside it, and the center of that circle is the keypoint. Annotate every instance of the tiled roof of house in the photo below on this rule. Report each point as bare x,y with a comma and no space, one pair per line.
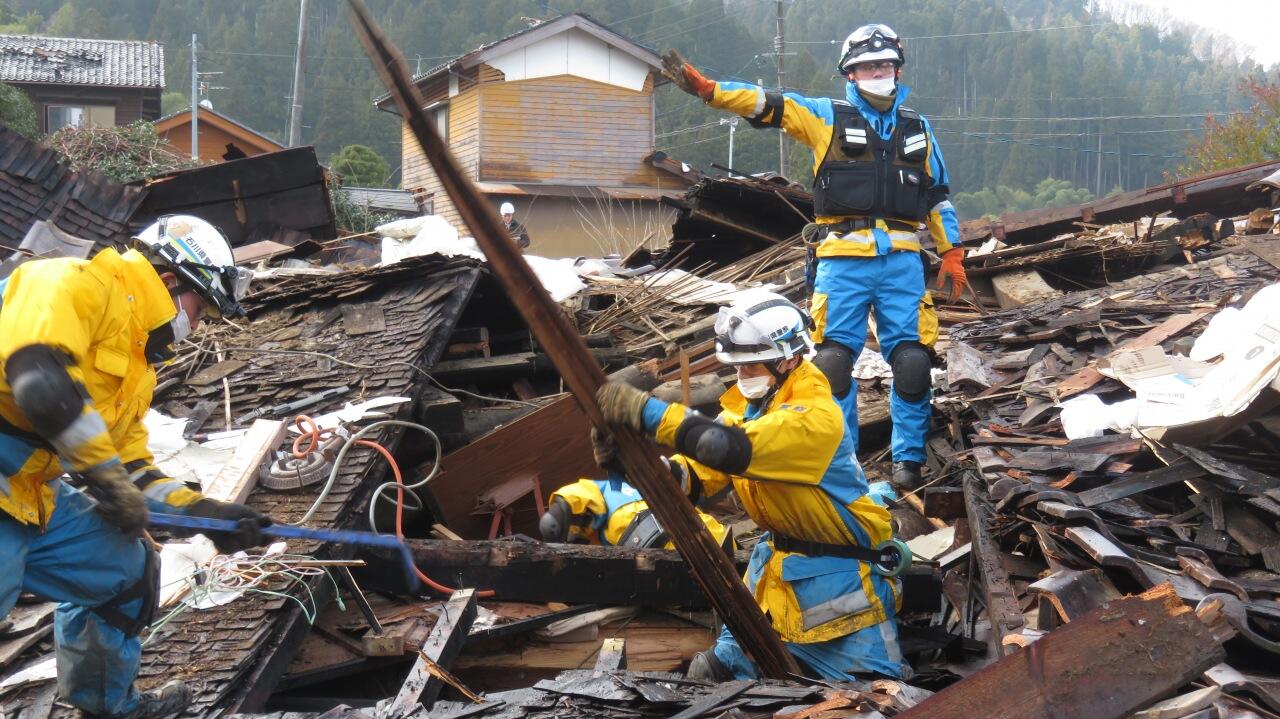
76,61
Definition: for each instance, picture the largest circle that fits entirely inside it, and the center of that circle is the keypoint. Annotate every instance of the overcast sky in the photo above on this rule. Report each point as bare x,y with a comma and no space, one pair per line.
1251,23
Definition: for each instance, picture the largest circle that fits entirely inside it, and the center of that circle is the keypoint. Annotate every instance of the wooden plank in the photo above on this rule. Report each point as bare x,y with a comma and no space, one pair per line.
569,573
1090,376
1001,599
613,655
582,375
1103,666
1141,482
238,476
553,441
442,647
1016,288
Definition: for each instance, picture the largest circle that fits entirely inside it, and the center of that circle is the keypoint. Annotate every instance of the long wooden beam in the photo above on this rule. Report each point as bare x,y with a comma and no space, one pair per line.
586,574
639,458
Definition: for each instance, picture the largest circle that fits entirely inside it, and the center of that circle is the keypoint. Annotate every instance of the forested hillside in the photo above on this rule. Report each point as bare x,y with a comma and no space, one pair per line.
1019,91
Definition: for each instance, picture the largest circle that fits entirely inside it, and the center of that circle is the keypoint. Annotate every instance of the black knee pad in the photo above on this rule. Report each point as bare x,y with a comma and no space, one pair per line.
836,362
911,364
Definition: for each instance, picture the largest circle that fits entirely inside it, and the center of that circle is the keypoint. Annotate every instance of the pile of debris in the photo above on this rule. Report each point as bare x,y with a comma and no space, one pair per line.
1099,534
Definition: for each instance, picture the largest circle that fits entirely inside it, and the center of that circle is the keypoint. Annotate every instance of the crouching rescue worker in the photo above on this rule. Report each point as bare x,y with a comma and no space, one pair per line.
821,572
609,512
878,175
79,340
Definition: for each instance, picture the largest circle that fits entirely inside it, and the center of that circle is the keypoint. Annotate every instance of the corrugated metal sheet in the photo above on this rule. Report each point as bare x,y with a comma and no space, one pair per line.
379,199
75,61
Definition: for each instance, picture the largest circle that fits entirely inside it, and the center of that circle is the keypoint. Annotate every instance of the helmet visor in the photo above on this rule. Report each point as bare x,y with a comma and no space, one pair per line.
865,32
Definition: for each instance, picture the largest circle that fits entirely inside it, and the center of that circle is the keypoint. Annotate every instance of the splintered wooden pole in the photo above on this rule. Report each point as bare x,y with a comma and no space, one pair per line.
1104,665
709,564
423,685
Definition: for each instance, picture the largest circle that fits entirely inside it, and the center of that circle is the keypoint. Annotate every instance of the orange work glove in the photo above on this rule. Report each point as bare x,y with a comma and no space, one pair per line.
953,267
686,77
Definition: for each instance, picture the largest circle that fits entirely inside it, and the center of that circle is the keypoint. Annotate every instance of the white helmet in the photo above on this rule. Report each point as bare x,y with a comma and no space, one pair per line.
200,256
868,44
761,328
507,209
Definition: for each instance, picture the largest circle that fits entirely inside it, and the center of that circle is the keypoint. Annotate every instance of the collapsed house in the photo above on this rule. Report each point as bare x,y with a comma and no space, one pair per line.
1097,535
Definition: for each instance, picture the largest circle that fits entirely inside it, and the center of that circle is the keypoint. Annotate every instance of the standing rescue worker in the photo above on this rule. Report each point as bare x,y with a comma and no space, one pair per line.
608,512
79,340
878,174
514,227
819,571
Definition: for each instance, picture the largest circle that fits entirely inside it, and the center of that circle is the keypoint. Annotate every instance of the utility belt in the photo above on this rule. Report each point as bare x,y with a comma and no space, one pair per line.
889,558
855,224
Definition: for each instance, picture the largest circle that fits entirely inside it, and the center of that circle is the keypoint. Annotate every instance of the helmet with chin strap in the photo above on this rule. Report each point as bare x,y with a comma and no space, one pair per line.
764,327
870,43
201,257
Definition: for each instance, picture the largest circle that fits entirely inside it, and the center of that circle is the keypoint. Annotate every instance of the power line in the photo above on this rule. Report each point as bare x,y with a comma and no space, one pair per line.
1092,118
1083,151
968,34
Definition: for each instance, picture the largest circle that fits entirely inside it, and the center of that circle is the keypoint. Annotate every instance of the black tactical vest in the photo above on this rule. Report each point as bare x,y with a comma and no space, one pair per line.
866,176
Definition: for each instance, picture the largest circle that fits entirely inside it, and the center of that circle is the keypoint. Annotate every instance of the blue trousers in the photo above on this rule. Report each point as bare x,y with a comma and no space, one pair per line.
892,286
871,650
81,562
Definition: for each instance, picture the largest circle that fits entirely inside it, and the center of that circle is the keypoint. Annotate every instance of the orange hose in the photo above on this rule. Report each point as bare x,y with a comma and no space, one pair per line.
312,434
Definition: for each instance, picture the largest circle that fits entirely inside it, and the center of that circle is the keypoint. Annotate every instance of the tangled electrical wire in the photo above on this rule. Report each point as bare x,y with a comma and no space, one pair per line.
273,575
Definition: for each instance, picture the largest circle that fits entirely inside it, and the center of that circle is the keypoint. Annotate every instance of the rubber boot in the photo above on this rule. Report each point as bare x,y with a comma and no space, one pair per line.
705,666
906,475
169,700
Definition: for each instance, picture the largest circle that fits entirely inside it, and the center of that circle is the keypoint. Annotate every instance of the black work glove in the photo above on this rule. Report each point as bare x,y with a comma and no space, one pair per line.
120,502
249,524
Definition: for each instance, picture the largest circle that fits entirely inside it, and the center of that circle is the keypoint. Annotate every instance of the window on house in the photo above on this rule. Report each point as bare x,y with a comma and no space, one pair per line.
60,116
439,114
426,203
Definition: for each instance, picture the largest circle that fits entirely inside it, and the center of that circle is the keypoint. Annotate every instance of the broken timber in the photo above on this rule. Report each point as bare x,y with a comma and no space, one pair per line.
441,648
572,573
723,586
1103,665
998,593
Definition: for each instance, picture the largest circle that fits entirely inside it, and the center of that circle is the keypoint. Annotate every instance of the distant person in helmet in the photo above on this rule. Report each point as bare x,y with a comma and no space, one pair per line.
609,512
782,443
79,340
514,228
878,175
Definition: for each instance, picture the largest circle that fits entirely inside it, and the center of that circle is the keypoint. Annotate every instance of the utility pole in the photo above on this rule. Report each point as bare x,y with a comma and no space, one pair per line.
295,111
195,103
779,48
1097,178
732,122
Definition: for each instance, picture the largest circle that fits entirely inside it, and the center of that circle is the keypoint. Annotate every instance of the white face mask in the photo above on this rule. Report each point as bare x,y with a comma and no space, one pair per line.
883,87
181,326
753,387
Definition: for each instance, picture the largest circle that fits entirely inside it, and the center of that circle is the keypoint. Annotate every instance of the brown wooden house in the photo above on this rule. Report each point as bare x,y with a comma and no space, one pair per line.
558,120
74,81
220,137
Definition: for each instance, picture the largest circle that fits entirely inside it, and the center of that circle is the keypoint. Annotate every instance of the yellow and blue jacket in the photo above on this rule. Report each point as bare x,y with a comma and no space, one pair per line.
607,507
802,481
811,121
99,313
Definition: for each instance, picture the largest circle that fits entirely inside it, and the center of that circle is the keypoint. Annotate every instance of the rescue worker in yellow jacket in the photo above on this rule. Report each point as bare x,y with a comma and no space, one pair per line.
609,512
878,175
822,571
79,340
